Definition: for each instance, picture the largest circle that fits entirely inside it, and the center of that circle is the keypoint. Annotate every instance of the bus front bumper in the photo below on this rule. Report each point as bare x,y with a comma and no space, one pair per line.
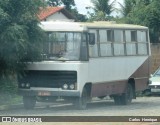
48,92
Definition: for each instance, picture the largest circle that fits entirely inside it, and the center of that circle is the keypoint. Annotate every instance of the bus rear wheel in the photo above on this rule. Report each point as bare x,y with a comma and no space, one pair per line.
117,100
29,102
127,97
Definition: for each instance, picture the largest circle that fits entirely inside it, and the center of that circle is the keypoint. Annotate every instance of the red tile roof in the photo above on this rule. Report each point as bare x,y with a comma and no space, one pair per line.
49,11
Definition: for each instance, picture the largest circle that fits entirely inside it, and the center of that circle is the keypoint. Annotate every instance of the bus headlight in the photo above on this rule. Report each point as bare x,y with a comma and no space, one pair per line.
65,86
22,85
71,86
27,85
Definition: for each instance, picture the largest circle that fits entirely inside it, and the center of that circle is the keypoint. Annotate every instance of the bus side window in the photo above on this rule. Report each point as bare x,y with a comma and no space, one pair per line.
105,42
131,41
93,48
118,43
142,42
91,38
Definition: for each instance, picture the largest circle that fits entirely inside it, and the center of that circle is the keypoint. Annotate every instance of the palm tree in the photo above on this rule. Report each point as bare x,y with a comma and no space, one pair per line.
103,6
127,7
130,5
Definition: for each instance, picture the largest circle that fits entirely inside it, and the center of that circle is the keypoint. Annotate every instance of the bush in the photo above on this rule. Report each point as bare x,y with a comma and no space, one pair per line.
8,91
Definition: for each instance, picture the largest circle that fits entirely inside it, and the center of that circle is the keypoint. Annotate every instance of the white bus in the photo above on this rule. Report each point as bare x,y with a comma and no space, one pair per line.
85,60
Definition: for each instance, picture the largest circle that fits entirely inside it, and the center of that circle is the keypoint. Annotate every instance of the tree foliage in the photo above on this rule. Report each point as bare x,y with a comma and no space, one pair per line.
143,12
102,10
70,6
20,34
127,7
103,6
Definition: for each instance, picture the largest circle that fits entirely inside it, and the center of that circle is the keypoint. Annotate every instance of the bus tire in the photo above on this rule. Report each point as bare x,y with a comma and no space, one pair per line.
117,100
81,102
29,102
126,98
101,97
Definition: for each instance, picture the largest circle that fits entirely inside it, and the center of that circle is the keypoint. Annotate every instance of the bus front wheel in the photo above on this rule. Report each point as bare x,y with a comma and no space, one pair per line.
29,102
81,102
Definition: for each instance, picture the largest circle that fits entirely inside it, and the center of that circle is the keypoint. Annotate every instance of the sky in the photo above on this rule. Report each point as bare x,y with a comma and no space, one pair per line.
82,4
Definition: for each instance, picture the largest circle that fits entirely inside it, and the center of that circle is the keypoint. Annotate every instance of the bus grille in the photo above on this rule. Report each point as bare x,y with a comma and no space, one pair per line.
48,79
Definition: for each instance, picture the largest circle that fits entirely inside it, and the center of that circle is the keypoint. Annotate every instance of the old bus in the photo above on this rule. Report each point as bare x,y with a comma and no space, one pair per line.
85,60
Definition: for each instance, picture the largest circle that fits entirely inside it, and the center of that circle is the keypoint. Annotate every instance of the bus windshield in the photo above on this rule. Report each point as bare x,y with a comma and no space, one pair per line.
62,46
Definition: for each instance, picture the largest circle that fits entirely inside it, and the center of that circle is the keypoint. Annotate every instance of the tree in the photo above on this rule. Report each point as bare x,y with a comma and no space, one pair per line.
54,2
69,6
152,20
79,17
103,6
20,35
102,10
127,7
146,13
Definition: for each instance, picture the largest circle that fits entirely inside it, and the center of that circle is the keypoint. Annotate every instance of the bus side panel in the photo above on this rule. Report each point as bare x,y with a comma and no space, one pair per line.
141,84
141,76
108,88
111,74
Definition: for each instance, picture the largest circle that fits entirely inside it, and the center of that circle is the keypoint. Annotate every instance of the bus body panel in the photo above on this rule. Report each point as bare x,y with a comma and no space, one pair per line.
114,68
115,81
80,67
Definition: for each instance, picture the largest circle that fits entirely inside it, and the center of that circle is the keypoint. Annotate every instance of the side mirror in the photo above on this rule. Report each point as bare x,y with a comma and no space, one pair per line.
151,75
91,38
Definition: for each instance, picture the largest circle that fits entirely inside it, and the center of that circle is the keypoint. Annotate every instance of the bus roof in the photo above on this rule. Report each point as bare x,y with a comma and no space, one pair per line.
80,27
112,25
63,26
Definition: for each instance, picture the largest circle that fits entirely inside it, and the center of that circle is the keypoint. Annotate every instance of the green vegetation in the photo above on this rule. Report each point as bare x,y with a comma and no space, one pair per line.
102,10
143,12
20,38
70,6
8,91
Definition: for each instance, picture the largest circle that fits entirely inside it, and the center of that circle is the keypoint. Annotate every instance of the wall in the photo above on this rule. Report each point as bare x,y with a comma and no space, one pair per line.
57,16
155,52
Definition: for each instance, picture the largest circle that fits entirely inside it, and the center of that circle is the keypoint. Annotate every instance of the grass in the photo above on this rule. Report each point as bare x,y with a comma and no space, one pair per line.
9,99
8,91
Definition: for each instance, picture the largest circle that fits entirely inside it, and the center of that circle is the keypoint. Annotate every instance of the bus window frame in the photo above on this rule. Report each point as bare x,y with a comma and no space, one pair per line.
124,42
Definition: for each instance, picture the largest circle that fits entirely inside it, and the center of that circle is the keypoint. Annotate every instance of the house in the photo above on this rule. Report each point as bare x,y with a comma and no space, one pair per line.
55,13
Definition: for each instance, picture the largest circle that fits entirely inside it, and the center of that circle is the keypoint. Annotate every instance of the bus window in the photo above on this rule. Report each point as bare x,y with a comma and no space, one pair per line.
130,42
93,49
83,48
62,45
109,36
118,43
105,45
91,38
142,42
133,36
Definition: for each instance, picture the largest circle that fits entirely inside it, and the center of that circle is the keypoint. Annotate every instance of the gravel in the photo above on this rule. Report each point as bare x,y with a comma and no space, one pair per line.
142,106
